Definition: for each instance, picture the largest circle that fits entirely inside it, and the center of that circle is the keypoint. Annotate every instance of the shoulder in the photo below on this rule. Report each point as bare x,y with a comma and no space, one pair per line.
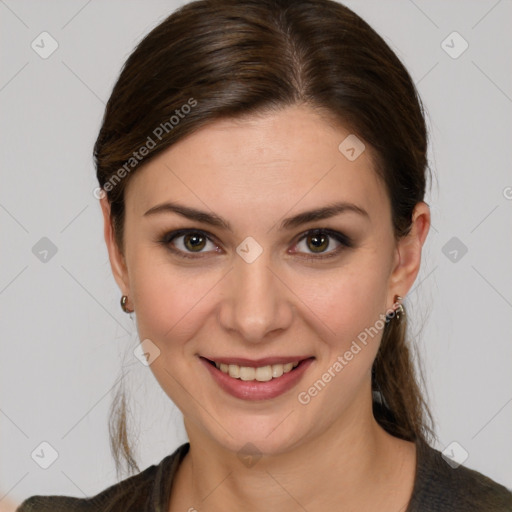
136,493
439,486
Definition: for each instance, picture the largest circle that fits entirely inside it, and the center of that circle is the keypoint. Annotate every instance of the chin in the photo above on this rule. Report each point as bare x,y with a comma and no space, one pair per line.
243,431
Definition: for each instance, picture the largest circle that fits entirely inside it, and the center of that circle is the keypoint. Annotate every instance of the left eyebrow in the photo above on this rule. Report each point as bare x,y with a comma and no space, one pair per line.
288,223
322,213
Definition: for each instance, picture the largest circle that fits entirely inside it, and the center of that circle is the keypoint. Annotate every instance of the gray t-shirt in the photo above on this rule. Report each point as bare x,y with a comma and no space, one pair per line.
437,488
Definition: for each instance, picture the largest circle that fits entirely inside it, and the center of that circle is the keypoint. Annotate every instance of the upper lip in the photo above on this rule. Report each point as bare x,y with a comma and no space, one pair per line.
265,361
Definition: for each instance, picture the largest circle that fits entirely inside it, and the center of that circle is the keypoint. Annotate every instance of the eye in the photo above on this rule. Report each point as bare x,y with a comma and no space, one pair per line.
318,241
186,242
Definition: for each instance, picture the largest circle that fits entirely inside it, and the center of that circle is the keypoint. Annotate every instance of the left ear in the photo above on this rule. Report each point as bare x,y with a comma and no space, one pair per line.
408,250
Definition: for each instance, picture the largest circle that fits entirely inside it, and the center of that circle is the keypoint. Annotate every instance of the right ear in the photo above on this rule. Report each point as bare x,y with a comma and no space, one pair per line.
117,260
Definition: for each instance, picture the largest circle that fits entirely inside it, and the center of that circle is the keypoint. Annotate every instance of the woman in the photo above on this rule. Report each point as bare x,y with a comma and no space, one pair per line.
263,168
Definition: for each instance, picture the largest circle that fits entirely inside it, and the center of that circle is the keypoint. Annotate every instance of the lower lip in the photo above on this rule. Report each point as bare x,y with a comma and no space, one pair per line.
253,389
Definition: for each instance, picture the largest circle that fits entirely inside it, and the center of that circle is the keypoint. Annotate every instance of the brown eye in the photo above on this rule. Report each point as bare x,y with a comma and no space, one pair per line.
189,243
317,242
194,242
321,243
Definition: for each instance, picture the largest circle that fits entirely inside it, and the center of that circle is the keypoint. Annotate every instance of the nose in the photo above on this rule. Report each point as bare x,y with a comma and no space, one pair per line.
256,302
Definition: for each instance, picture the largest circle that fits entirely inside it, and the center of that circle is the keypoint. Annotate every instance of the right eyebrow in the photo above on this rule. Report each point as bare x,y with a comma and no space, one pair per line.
190,213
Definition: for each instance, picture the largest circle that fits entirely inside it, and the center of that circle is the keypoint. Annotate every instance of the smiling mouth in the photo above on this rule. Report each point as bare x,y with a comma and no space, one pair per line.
260,373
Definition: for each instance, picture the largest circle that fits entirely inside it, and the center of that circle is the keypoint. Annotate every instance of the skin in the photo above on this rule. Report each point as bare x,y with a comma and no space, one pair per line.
7,506
254,172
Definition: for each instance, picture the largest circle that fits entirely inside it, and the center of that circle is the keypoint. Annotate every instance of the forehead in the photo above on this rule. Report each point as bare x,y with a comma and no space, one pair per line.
258,164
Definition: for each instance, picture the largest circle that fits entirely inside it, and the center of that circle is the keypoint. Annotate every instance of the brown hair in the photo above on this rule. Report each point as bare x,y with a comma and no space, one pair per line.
215,59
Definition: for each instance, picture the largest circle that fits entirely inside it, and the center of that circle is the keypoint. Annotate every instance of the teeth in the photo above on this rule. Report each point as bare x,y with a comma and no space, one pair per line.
287,367
277,370
261,374
246,373
234,371
264,373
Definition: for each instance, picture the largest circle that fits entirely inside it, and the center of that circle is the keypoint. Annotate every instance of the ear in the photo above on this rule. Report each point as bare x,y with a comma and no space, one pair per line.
117,260
408,252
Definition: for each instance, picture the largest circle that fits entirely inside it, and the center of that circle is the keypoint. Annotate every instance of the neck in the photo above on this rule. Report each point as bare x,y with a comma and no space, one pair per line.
352,466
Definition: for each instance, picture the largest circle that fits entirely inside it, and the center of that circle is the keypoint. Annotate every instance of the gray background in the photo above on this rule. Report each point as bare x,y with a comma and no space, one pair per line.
64,336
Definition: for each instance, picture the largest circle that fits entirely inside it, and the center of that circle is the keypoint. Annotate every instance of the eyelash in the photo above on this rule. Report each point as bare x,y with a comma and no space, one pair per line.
344,240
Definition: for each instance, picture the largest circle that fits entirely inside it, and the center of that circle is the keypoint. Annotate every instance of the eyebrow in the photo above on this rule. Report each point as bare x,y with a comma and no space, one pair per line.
290,222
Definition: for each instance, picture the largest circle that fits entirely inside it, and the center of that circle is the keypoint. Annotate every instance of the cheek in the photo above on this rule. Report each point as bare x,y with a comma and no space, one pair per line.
172,307
350,311
174,302
171,302
344,301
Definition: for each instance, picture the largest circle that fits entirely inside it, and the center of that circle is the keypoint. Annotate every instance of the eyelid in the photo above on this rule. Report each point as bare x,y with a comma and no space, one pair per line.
341,238
167,238
344,241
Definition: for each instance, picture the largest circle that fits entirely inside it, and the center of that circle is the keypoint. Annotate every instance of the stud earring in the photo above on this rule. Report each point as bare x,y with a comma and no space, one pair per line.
124,300
399,309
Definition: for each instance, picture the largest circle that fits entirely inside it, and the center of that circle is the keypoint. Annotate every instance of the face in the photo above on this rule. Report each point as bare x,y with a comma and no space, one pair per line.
222,266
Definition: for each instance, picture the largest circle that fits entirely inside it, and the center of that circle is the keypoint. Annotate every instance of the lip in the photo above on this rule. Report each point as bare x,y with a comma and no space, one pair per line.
254,363
255,390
